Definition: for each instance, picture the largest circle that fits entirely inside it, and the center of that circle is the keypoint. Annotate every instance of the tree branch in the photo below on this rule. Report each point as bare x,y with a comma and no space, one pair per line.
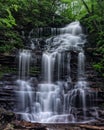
86,6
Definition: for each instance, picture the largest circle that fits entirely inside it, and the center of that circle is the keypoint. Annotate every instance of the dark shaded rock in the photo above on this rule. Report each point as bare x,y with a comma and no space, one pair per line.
8,127
8,87
1,83
7,60
28,125
101,113
34,81
6,116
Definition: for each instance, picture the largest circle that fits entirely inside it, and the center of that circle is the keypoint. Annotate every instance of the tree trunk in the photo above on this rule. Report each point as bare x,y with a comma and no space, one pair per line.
86,6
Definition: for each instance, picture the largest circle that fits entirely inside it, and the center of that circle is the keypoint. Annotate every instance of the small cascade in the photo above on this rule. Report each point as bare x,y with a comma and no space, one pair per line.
48,61
24,63
58,65
24,91
57,99
32,45
25,95
81,65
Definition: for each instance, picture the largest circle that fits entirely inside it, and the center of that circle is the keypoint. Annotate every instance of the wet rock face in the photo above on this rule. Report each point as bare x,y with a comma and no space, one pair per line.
7,95
7,84
8,122
95,81
6,116
28,125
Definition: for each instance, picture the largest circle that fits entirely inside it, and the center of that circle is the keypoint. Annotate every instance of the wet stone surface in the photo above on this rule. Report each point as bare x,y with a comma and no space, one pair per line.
8,121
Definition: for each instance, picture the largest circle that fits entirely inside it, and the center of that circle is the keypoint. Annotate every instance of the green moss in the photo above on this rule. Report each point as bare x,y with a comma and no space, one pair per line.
101,105
34,70
6,69
98,66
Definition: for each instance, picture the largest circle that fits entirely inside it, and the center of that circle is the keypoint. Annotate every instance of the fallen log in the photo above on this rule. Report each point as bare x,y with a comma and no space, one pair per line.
90,127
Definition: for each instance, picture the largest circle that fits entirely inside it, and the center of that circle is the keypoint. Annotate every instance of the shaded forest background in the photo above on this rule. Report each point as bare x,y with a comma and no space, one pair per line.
23,15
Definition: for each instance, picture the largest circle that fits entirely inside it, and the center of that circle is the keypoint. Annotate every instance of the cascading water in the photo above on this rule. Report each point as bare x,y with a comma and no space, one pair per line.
56,99
81,66
24,91
24,63
48,61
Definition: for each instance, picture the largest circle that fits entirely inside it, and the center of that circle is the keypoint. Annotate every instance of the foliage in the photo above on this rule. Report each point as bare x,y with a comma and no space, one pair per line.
35,13
76,9
34,70
98,66
95,25
16,16
9,21
10,40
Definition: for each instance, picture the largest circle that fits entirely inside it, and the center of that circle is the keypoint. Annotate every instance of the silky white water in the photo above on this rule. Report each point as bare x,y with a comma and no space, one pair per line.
56,98
24,63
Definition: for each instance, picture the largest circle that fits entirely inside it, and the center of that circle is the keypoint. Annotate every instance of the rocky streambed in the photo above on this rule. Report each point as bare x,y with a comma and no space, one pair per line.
8,121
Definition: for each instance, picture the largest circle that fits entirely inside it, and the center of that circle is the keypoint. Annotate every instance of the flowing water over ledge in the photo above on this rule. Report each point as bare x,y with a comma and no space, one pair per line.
56,99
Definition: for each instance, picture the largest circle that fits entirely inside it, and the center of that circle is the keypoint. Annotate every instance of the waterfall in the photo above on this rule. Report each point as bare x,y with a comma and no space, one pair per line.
48,61
81,65
25,95
24,91
57,97
24,63
59,65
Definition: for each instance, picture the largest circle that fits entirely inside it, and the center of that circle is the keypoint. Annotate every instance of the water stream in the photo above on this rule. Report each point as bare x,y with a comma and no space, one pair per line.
56,99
